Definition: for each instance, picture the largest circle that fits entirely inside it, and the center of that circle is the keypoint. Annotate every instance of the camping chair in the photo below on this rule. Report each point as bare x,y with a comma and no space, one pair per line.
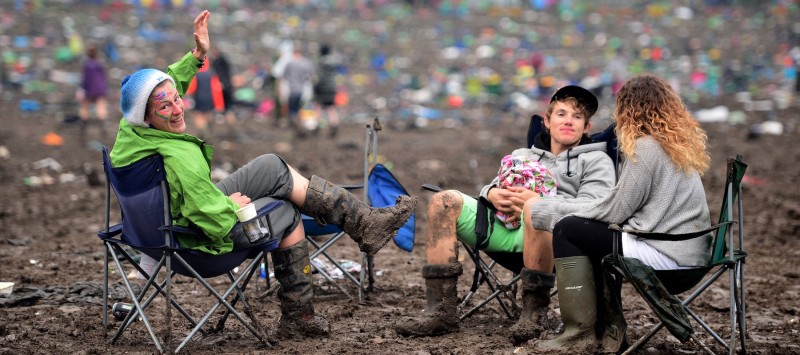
728,255
505,291
381,189
143,195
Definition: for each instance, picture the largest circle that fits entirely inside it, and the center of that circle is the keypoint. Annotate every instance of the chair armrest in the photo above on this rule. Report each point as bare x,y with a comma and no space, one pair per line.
180,229
431,187
112,232
263,211
666,236
352,186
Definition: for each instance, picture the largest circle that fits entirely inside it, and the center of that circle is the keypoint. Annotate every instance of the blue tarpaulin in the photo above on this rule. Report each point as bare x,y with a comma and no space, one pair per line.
383,192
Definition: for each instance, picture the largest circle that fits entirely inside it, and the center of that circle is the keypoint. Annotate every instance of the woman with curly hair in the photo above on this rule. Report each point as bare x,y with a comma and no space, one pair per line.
659,190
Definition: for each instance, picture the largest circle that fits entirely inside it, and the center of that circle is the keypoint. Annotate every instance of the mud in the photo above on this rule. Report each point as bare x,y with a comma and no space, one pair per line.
50,249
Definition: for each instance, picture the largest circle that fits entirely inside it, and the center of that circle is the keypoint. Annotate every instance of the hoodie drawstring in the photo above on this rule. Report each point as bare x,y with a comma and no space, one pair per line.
569,173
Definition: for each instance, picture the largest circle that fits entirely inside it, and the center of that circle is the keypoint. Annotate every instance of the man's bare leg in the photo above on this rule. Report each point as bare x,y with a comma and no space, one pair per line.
442,271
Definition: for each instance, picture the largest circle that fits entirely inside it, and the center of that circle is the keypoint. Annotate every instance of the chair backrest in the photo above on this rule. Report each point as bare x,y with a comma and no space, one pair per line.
607,135
383,190
142,192
733,182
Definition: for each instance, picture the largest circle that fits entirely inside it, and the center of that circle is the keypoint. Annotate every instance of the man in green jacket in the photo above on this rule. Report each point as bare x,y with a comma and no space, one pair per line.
153,123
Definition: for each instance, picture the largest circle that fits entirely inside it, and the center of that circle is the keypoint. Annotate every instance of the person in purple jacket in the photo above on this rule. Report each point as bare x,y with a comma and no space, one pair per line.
93,87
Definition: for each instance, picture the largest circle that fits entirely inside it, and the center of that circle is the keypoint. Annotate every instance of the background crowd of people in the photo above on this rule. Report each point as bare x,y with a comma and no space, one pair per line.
416,61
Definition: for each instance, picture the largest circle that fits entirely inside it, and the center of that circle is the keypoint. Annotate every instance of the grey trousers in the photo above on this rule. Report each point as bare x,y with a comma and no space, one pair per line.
264,179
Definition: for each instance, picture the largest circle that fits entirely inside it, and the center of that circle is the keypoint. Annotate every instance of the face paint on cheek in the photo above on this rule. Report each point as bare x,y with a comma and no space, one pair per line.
166,113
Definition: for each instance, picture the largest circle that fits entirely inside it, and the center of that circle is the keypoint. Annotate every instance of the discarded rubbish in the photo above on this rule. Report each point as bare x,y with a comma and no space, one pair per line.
47,163
6,288
52,139
120,310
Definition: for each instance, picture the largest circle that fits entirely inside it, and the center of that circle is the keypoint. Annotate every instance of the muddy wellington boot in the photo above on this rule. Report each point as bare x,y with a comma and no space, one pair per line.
577,298
441,314
293,272
370,227
536,288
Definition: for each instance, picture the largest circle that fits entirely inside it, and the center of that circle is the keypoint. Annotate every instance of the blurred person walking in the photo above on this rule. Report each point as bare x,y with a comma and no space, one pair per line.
296,79
222,68
325,88
93,90
206,89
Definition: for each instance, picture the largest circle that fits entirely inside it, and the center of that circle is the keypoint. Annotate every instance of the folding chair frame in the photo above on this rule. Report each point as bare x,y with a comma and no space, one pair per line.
500,290
367,263
733,263
484,273
170,255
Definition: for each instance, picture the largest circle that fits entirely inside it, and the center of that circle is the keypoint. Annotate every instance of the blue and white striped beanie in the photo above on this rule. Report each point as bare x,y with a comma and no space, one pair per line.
136,90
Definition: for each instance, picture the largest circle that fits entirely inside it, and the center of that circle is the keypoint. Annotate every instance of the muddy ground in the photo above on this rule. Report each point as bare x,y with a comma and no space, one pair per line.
50,249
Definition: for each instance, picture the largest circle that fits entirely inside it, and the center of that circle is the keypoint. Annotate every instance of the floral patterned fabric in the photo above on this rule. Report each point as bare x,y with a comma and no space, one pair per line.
521,171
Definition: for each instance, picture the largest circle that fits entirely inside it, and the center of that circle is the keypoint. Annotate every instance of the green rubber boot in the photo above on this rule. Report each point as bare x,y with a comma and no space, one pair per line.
577,298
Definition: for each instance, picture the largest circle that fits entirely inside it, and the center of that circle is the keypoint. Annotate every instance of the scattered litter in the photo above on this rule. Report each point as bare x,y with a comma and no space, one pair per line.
38,180
327,267
715,114
6,288
52,139
772,127
47,163
28,105
4,153
350,266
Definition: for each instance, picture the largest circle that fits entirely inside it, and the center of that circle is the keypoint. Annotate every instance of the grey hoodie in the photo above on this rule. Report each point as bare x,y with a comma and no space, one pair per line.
652,195
583,172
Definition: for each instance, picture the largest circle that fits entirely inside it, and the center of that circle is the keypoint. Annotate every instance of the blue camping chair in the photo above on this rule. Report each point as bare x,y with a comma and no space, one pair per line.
505,291
381,189
143,195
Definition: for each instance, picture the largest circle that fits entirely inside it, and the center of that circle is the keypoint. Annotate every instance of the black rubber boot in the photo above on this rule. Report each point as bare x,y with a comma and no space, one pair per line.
293,271
441,313
370,227
536,288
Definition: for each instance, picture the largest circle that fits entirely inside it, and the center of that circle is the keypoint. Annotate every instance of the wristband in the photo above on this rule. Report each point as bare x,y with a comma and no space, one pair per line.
201,62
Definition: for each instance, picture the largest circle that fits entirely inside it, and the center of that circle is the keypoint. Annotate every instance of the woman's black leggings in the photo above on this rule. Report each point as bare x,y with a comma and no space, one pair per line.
575,236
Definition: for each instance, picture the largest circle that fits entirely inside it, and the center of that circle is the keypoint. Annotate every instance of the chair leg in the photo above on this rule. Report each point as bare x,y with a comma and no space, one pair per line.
138,307
221,301
739,271
240,296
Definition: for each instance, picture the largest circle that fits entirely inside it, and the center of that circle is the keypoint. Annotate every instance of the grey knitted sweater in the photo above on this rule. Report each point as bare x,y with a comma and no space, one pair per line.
652,195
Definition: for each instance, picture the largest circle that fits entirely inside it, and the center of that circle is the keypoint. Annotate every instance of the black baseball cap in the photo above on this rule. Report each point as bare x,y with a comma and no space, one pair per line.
584,97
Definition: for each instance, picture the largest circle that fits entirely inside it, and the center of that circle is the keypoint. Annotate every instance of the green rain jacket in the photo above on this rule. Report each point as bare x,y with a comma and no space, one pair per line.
194,199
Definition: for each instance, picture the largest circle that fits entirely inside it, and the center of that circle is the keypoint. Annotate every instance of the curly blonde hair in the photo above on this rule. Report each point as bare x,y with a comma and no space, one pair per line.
647,105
